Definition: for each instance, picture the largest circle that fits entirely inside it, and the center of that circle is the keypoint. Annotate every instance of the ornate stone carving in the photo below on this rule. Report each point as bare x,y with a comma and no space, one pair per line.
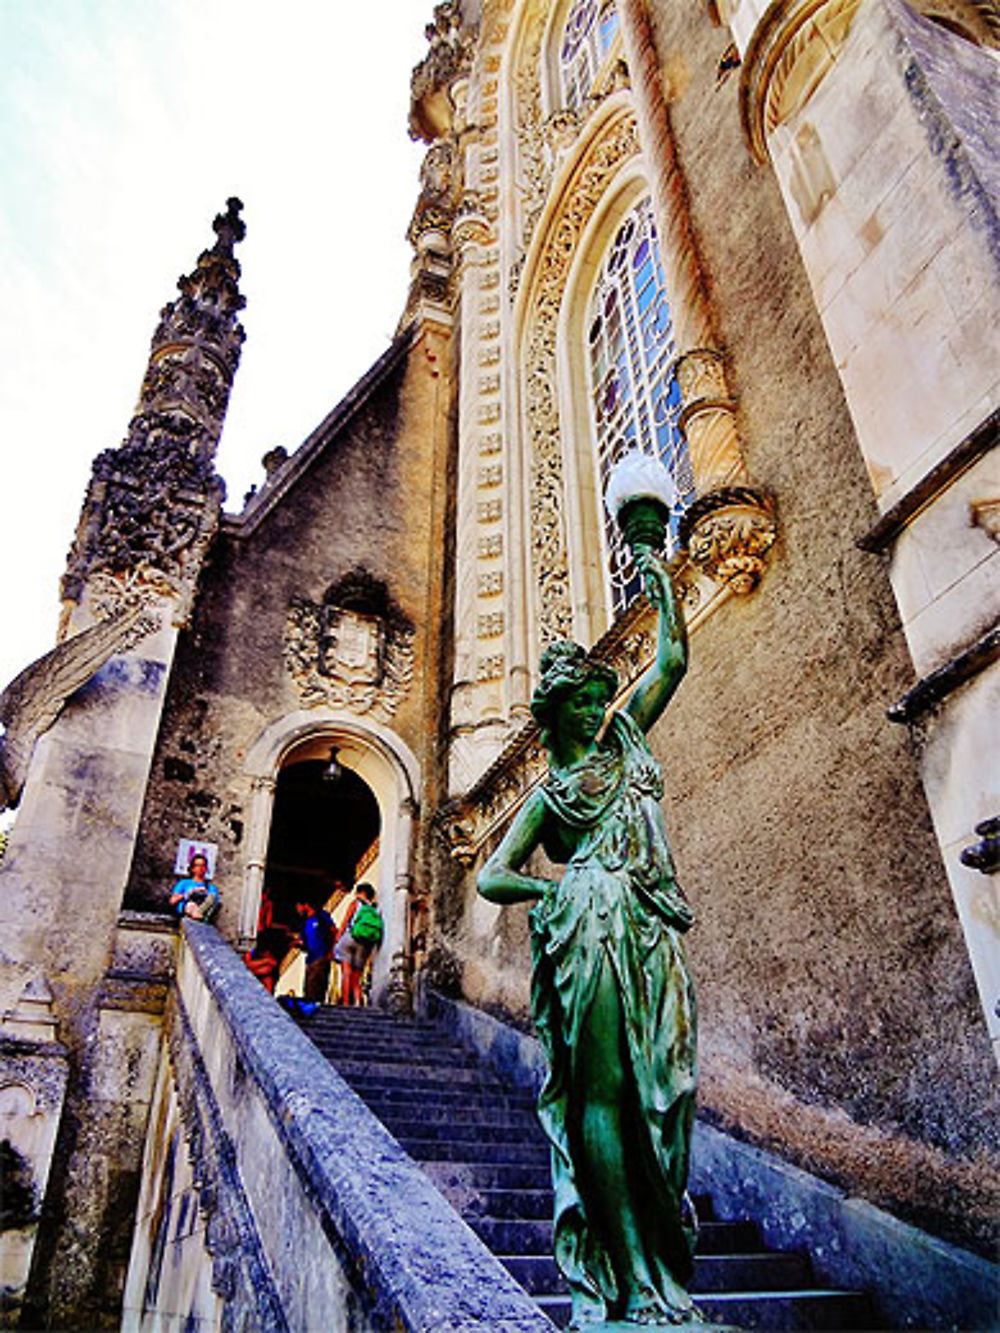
153,503
152,506
449,58
353,651
728,534
701,376
618,143
439,184
544,140
534,168
708,418
471,226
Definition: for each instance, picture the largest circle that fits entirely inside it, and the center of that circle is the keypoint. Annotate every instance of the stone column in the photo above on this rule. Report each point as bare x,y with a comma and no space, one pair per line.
258,831
730,528
399,985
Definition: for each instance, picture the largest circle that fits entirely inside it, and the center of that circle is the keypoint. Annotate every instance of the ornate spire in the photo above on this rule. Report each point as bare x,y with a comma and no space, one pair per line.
196,347
153,503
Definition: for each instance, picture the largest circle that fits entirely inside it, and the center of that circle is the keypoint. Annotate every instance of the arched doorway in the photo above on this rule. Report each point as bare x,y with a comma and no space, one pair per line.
324,838
284,766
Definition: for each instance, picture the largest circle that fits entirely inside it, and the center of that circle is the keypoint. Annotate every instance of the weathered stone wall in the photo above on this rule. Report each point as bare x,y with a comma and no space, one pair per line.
373,499
839,1020
831,962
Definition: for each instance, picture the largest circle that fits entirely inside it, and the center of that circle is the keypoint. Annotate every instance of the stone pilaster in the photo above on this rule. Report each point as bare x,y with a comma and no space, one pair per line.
708,417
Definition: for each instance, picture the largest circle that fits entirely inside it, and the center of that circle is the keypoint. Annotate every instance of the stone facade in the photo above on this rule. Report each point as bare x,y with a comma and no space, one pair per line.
388,589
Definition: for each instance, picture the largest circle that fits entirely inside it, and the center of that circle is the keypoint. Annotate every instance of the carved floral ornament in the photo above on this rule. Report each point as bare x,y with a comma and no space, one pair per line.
544,140
617,144
728,534
449,57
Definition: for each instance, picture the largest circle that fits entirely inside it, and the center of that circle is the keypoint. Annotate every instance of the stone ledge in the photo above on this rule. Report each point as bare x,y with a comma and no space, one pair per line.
918,1280
936,687
979,442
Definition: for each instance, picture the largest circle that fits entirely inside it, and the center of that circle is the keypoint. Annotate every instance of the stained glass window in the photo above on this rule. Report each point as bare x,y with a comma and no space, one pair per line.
635,394
588,32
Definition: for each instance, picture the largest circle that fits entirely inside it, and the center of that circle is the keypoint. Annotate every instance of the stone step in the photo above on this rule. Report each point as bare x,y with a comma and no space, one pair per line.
426,1057
369,1014
373,1075
526,1204
816,1308
469,1179
481,1144
763,1271
474,1150
425,1101
534,1236
495,1127
387,1049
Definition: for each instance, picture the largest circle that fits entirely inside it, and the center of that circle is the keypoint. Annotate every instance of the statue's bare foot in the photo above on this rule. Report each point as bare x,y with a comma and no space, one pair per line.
646,1308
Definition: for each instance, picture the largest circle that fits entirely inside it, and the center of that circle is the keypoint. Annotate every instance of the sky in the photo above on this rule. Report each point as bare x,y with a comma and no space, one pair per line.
124,127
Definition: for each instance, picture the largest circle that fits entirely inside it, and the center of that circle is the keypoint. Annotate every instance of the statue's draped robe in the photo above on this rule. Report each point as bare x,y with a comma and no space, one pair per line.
618,905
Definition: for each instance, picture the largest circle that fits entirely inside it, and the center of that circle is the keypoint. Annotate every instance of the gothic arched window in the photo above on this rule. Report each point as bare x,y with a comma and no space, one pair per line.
636,399
587,35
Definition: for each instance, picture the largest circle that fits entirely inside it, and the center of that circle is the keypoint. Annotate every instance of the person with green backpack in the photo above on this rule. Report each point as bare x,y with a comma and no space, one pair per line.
360,935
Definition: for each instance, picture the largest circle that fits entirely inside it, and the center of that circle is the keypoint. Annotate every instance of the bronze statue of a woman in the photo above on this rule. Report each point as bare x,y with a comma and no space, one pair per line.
612,998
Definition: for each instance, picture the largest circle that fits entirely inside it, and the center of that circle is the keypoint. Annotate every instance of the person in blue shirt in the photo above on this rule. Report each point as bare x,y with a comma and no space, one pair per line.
317,942
196,896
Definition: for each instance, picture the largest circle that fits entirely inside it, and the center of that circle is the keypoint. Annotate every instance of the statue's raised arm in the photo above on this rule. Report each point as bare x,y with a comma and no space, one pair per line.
656,686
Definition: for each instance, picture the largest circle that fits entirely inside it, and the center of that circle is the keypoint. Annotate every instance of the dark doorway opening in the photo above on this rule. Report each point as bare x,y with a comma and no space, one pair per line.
321,831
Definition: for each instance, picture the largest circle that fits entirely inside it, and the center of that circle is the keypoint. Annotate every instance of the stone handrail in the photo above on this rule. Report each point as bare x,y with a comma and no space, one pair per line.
317,1218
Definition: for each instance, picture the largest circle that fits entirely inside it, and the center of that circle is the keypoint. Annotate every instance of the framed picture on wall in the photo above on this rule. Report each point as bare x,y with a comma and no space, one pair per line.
188,847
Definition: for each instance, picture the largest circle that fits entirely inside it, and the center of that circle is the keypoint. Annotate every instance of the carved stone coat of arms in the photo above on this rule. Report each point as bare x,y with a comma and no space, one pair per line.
346,658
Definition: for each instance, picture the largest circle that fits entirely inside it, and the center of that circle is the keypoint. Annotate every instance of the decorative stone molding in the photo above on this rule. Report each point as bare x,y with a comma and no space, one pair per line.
797,41
240,1272
544,140
439,182
728,534
33,1018
617,143
708,418
34,1072
471,226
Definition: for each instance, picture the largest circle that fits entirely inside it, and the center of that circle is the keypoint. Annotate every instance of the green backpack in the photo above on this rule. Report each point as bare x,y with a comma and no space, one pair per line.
366,924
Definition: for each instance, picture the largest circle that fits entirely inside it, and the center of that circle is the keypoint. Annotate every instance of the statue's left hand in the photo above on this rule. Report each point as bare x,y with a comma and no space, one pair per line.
655,576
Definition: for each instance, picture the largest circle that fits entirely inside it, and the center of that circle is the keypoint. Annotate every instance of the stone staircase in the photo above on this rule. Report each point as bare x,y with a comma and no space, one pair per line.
481,1144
